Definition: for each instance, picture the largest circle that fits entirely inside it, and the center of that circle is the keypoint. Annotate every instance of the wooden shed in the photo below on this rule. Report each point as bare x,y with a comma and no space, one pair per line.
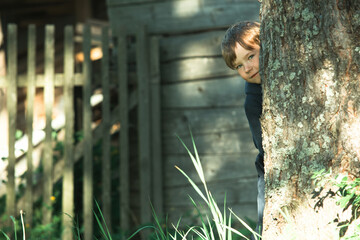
197,91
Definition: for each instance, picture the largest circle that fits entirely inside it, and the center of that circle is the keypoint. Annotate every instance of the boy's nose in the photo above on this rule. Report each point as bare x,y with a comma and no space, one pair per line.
247,68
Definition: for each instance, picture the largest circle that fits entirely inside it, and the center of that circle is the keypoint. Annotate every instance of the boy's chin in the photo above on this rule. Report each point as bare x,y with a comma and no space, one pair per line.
256,81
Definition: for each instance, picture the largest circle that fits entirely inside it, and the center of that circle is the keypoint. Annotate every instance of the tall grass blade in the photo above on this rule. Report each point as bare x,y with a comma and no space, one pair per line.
202,236
200,170
14,222
193,185
22,223
160,230
103,219
206,232
139,230
196,162
101,227
6,236
211,229
184,235
245,225
236,232
229,235
106,233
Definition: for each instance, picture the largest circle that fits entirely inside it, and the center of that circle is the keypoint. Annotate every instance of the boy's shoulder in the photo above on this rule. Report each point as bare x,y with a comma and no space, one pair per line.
253,88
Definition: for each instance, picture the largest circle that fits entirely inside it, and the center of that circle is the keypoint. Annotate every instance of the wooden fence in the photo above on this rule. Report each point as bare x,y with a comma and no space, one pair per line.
145,99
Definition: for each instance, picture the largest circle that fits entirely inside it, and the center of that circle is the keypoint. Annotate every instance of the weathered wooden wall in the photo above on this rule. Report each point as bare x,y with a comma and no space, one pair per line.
198,90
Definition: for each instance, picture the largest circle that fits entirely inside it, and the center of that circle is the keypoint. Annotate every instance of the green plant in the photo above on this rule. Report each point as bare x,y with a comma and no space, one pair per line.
15,224
223,229
347,195
102,223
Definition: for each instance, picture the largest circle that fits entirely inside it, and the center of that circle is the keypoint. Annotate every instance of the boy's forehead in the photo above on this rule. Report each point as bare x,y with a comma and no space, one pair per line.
240,51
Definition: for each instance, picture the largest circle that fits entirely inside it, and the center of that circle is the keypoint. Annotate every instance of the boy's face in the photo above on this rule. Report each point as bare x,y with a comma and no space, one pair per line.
247,63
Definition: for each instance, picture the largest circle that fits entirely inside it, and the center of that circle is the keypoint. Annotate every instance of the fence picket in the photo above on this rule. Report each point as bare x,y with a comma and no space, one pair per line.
106,164
142,63
29,124
157,174
124,131
87,119
146,97
11,106
49,101
68,174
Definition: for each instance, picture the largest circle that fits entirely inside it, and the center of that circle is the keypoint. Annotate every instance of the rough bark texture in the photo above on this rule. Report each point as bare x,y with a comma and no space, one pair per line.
311,113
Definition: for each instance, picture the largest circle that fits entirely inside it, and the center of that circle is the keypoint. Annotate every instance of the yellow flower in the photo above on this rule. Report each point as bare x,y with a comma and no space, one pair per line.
52,198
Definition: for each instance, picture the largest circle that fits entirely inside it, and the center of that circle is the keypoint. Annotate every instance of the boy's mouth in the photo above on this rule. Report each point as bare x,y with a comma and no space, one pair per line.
254,75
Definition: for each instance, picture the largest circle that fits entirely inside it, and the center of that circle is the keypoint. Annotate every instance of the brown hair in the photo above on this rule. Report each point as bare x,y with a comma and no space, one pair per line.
245,33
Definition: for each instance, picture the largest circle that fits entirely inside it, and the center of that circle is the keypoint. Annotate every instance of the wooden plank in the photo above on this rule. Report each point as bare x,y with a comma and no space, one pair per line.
236,190
106,163
112,3
49,101
40,80
218,143
183,16
124,131
194,69
220,92
189,215
82,10
219,168
87,119
142,57
203,120
11,106
29,124
206,44
157,173
68,170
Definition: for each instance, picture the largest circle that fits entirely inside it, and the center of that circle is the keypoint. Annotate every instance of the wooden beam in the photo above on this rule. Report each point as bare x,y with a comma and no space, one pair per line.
106,149
49,101
182,16
40,80
112,3
29,125
11,106
203,120
157,164
124,131
82,10
204,44
68,170
220,167
142,63
215,143
219,92
88,157
206,67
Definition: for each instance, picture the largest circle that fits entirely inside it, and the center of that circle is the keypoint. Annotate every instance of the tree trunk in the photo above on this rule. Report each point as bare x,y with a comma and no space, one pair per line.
311,112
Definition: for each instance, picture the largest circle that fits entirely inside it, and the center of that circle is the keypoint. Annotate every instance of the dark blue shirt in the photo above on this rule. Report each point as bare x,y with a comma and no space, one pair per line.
253,110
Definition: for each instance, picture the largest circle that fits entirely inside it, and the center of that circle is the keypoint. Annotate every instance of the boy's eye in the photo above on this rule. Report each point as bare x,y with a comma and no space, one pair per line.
251,57
238,66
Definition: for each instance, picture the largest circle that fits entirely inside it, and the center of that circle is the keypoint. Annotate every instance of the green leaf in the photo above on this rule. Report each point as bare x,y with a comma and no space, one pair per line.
18,134
344,201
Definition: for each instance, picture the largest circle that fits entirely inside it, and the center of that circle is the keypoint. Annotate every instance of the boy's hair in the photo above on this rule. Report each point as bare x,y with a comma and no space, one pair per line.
245,33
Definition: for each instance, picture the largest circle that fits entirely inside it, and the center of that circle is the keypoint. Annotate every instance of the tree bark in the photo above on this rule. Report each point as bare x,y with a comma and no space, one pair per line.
310,59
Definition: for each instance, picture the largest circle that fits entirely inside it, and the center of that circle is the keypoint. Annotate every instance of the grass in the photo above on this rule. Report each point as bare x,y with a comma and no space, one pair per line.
217,225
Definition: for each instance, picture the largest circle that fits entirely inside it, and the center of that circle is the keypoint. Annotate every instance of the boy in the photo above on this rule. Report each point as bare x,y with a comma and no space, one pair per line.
240,49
